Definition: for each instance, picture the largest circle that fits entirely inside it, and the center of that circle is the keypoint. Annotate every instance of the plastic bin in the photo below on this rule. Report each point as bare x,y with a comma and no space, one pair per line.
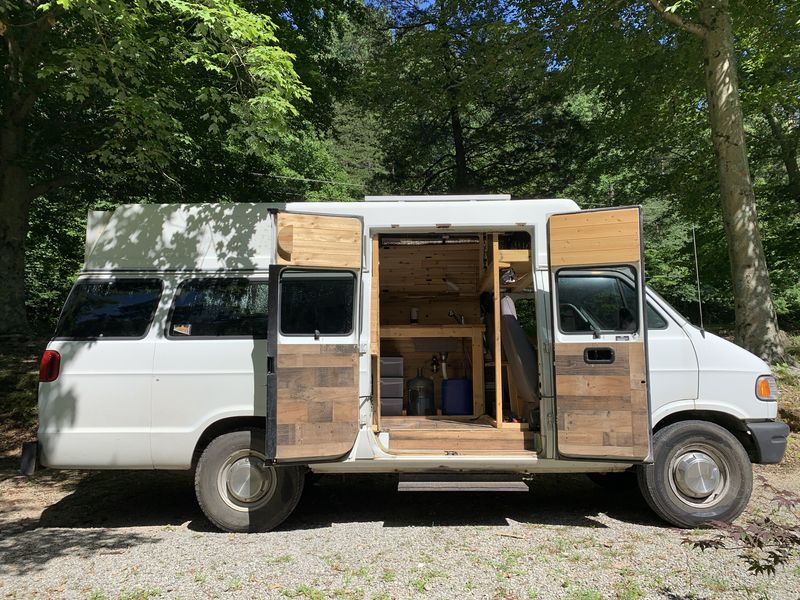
391,387
391,366
391,407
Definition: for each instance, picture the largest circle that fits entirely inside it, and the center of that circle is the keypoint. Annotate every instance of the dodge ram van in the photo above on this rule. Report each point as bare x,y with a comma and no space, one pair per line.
254,343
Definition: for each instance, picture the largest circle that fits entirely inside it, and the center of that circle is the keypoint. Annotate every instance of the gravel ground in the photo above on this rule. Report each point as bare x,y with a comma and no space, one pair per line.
137,535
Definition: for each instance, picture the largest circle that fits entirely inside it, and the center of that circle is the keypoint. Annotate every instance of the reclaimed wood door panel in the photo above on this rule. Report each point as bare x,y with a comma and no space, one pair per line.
603,237
317,400
602,409
318,241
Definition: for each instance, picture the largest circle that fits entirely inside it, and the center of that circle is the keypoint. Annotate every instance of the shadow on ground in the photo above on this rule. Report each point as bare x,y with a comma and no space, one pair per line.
94,518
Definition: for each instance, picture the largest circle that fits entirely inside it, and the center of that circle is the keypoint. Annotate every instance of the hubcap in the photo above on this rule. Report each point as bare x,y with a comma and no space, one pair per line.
246,479
245,482
696,474
699,475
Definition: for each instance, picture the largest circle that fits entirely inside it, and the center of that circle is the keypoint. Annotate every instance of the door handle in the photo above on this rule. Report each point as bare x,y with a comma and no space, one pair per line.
270,365
598,356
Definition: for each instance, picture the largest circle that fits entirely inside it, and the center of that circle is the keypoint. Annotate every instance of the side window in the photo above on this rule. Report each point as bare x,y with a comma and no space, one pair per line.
654,320
594,303
111,308
235,307
317,301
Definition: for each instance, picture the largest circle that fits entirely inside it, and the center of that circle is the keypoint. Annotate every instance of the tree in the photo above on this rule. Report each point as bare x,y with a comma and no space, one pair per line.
461,87
756,320
127,96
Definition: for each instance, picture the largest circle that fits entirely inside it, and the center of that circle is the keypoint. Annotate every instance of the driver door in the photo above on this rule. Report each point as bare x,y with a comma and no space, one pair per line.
312,345
600,349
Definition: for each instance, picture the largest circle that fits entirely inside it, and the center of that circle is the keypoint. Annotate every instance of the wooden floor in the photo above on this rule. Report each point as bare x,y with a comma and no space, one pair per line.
463,435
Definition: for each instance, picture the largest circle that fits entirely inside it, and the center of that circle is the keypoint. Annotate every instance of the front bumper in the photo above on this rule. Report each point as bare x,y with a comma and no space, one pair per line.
30,458
770,440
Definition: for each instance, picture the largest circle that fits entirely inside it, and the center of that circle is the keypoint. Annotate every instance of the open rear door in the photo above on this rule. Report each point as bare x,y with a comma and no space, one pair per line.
312,349
602,401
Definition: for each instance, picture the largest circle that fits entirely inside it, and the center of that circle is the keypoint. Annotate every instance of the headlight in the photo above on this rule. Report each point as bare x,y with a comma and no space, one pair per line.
766,388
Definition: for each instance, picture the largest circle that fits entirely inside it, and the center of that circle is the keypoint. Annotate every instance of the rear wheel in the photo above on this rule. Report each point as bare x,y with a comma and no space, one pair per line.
238,491
700,473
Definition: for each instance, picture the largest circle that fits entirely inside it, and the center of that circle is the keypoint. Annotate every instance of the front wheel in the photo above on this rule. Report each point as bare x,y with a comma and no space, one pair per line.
238,491
700,473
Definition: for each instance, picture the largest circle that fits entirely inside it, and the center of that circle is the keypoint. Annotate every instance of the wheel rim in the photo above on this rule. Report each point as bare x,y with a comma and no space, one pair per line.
699,475
245,482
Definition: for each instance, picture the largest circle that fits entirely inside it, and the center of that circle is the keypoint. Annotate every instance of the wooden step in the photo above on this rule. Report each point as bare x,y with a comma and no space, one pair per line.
474,440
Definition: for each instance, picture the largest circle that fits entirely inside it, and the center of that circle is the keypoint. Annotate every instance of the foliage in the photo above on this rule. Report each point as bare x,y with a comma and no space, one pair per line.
765,543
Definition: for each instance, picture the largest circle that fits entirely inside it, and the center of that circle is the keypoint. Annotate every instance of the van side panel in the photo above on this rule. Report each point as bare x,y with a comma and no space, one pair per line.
97,413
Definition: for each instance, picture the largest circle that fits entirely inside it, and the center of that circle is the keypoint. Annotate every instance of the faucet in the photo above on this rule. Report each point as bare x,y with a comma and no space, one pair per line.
459,318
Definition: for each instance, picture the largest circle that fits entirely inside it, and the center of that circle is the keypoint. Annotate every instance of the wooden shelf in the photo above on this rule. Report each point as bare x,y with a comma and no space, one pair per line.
444,331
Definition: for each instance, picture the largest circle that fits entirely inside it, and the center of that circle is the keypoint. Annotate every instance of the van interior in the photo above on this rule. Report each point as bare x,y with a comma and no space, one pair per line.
454,355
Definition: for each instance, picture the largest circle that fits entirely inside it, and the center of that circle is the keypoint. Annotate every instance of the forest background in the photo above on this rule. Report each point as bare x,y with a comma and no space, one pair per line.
107,102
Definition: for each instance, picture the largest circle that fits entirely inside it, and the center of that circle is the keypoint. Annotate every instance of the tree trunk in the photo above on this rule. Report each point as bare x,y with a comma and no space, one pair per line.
788,155
461,176
756,321
15,198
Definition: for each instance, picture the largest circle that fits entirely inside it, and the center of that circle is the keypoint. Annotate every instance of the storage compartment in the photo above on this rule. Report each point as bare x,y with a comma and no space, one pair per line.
436,303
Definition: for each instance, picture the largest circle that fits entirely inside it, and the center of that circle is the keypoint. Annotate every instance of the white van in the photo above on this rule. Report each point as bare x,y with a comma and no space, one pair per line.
477,334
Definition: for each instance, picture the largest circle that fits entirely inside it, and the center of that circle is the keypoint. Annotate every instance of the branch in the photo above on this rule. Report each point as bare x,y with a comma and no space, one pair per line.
40,189
671,17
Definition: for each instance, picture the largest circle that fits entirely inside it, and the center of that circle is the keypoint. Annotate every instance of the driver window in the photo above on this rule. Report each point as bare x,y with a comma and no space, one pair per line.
591,302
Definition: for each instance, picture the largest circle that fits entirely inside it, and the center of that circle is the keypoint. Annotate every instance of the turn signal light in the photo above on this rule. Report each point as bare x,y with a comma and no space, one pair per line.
50,366
766,389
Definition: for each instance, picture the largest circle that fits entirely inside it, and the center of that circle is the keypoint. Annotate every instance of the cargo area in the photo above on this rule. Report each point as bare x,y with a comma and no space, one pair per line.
455,369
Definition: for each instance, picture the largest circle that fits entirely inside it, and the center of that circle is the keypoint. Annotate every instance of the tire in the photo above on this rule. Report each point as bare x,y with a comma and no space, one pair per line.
237,492
673,486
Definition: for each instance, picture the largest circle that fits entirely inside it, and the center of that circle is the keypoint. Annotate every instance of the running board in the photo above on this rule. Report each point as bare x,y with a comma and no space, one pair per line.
461,482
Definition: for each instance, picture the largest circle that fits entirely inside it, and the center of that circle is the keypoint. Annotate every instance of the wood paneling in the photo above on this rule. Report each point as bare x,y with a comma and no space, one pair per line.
603,237
427,269
601,409
317,403
467,438
318,241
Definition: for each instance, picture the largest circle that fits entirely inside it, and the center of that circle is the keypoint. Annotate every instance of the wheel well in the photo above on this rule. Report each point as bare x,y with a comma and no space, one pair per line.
217,428
728,422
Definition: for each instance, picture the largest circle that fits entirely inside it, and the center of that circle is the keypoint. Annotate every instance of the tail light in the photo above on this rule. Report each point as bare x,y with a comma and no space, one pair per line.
50,366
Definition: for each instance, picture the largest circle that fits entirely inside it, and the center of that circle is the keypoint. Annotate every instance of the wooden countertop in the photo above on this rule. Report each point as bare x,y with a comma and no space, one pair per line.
411,331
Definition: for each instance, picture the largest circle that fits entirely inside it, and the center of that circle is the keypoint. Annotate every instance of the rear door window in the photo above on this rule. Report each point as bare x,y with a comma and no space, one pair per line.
230,307
110,308
317,302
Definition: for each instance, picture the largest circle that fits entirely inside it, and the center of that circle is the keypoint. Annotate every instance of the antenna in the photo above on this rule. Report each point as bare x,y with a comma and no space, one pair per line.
697,276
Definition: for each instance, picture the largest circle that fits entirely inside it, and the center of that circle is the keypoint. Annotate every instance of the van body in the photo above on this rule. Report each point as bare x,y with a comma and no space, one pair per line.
256,342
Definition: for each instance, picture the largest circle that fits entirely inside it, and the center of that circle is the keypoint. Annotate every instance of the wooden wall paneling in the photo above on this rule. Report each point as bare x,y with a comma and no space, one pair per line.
601,409
427,269
318,241
595,237
317,403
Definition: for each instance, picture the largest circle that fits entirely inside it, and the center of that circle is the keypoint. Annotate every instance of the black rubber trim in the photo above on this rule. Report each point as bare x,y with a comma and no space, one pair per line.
770,439
271,366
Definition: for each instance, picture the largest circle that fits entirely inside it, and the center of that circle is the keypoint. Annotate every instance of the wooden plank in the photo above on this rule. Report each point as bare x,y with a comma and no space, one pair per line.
423,331
375,316
601,410
318,241
317,403
595,238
